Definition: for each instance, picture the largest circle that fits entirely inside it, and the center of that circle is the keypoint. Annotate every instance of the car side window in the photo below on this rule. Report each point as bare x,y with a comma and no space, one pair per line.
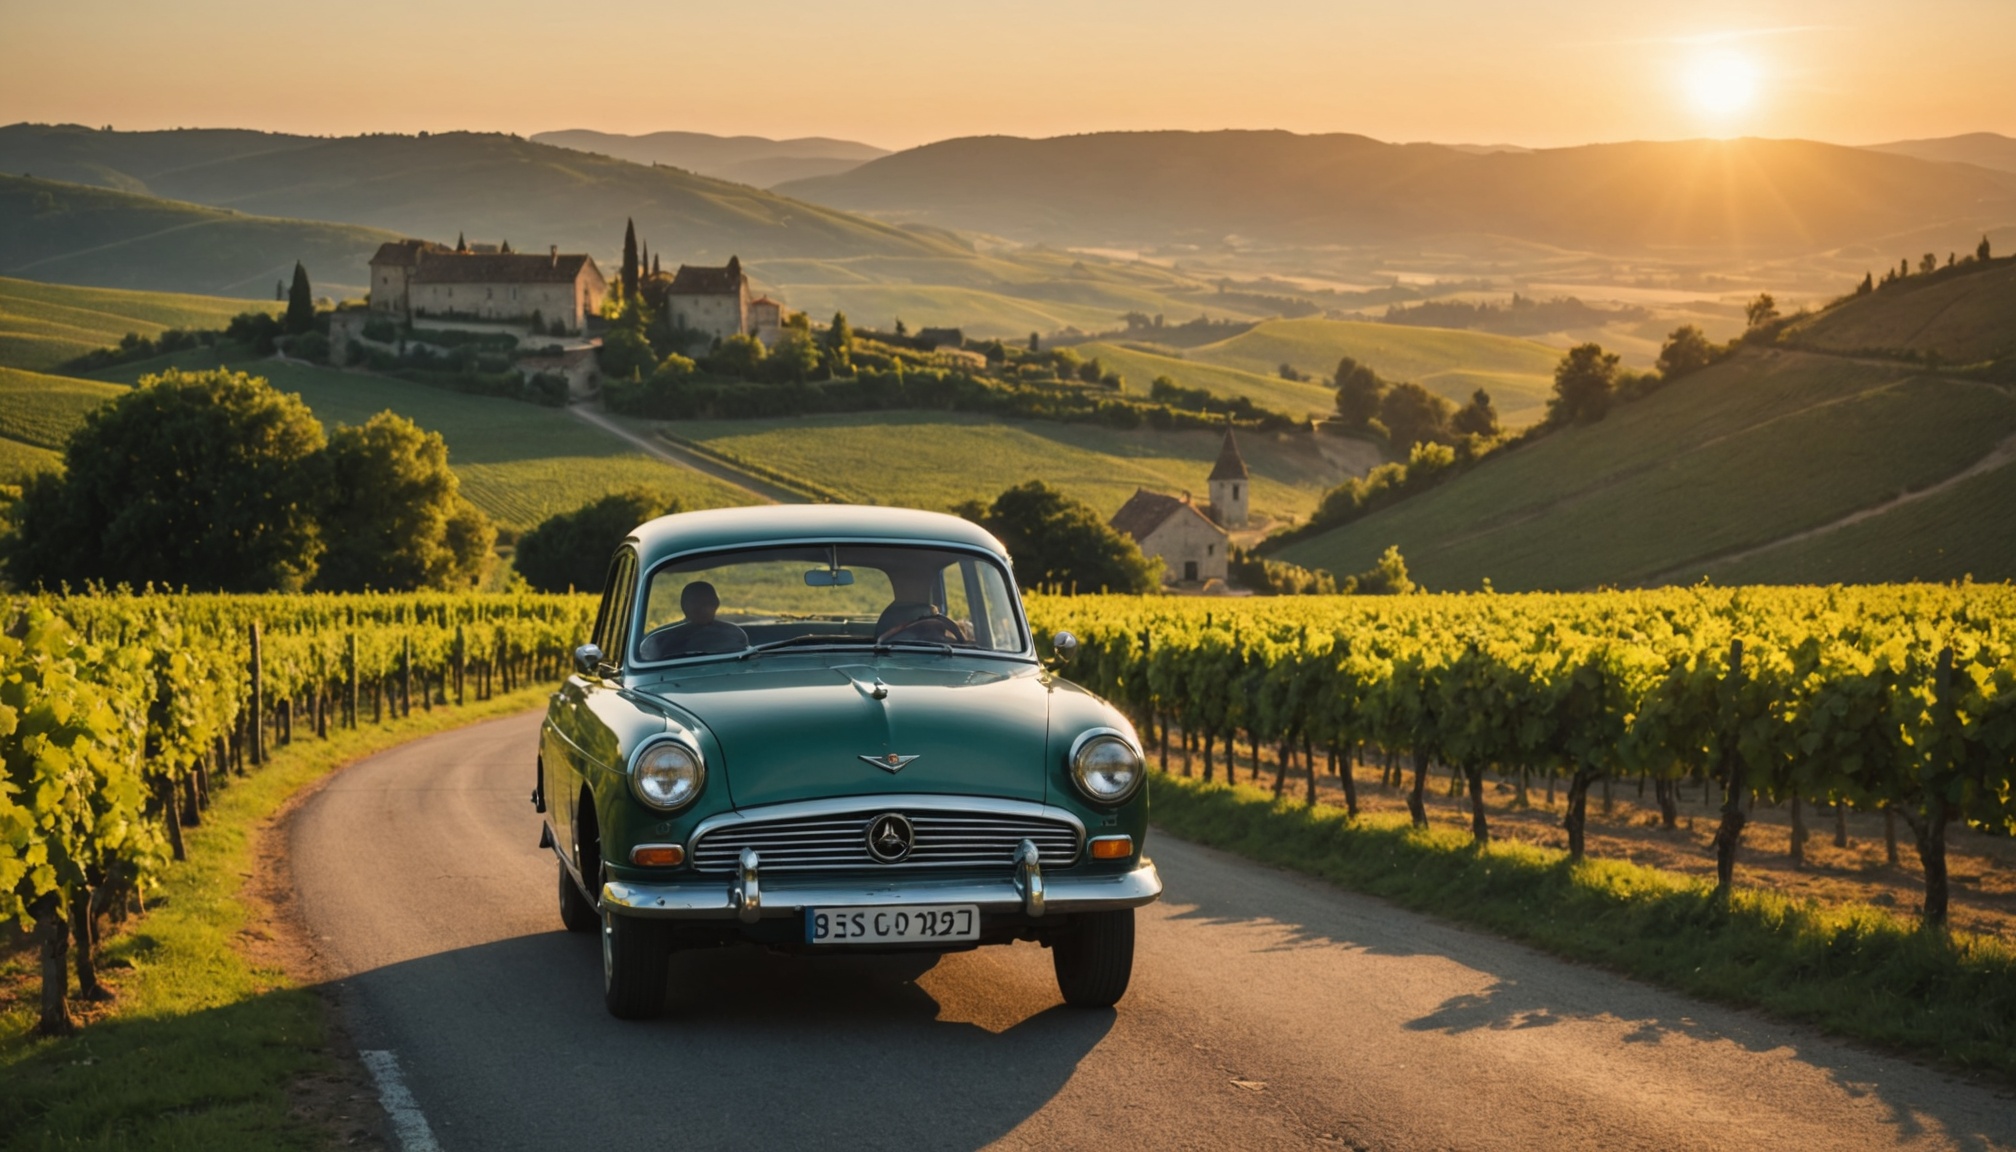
612,623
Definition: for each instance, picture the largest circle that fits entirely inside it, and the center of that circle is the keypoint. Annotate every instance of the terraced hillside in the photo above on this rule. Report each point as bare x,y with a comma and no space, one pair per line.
1140,368
1963,315
1519,374
76,234
1778,465
43,325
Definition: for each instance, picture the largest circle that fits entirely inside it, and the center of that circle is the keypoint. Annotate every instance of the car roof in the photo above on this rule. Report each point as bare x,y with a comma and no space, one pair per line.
782,523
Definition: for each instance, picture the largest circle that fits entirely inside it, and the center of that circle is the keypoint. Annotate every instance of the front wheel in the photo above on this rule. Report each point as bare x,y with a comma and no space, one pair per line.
577,912
1095,961
634,966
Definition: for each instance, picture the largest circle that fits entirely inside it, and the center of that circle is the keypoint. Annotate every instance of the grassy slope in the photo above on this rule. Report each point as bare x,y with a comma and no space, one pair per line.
517,462
1964,316
1269,391
1518,373
935,460
206,1044
43,410
1738,455
83,235
43,325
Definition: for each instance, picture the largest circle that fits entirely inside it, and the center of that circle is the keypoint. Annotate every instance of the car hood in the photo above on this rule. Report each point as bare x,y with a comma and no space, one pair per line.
797,728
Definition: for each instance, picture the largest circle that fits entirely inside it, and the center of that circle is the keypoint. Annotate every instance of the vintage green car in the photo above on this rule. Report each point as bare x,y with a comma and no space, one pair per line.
827,728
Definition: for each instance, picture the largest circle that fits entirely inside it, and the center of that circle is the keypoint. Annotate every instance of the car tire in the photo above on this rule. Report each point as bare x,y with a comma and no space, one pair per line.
634,966
577,911
1095,959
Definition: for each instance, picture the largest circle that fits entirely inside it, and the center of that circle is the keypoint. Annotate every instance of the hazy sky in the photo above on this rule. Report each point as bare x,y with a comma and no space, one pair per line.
902,72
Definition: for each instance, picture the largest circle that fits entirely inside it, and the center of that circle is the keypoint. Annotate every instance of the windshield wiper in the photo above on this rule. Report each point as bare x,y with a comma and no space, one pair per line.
808,638
934,645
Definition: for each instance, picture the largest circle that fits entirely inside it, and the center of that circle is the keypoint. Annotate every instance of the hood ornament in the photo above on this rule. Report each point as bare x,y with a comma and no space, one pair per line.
889,762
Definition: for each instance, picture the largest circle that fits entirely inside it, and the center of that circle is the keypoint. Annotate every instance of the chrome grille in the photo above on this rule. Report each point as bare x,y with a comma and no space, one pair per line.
944,840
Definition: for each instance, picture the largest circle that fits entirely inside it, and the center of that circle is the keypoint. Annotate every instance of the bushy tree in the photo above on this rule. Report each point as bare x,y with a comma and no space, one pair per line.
1928,263
1412,414
794,358
1760,311
673,369
1058,541
206,479
626,354
1982,251
739,355
839,345
1584,383
395,517
1477,418
1386,578
1688,349
300,303
572,549
1359,391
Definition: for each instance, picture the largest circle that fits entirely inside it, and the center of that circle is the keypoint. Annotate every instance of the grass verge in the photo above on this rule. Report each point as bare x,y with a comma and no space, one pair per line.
205,1045
1856,971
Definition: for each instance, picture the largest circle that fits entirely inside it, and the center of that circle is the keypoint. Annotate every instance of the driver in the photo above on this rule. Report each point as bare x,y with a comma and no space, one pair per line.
699,632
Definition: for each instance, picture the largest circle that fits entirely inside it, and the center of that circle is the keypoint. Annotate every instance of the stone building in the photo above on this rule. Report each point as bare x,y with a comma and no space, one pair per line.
766,320
1192,548
416,279
711,301
1230,485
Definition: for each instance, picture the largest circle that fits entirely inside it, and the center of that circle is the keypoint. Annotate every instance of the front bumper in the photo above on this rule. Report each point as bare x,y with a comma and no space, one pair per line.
749,900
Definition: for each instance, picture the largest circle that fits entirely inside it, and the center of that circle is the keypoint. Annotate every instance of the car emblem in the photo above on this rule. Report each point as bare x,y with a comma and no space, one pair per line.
890,762
890,838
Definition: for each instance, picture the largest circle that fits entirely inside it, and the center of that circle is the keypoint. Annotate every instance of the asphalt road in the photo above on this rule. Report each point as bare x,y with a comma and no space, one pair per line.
1266,1011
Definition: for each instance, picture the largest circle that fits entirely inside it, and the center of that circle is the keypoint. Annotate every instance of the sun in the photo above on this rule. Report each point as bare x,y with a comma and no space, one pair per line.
1721,84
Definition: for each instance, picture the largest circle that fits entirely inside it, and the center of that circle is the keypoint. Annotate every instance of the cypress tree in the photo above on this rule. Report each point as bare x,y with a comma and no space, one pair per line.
1983,251
461,243
300,303
629,259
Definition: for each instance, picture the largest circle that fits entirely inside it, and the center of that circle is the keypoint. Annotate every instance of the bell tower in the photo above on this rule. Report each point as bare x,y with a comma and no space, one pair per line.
1230,485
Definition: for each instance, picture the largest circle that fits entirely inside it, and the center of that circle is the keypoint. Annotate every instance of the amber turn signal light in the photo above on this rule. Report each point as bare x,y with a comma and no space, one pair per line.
1112,847
658,855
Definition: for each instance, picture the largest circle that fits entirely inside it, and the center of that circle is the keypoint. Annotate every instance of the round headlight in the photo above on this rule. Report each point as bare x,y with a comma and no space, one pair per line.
1106,766
667,775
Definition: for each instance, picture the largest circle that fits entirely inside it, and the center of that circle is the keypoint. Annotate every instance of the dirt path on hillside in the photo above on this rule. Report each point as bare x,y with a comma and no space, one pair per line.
763,490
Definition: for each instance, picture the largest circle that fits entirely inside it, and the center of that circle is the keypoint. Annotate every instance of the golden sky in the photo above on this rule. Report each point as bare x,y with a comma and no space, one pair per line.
903,72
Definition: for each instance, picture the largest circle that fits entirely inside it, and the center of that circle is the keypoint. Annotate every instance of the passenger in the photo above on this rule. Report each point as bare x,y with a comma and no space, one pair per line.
699,633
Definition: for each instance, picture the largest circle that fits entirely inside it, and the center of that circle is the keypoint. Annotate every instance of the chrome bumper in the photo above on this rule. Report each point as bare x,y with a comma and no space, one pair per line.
778,896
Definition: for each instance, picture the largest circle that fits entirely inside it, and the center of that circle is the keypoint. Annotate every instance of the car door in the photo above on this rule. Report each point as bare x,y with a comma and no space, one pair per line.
577,742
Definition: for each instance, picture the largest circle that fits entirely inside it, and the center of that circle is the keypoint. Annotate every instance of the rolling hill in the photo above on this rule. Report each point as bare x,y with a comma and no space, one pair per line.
1113,188
1780,464
1983,149
742,159
44,325
1140,367
491,187
78,234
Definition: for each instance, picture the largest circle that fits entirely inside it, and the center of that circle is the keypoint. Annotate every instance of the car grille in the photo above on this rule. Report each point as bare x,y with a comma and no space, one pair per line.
944,840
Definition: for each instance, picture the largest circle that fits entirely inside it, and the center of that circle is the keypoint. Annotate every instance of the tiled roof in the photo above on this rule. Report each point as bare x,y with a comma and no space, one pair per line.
494,268
1146,511
724,281
406,253
1231,465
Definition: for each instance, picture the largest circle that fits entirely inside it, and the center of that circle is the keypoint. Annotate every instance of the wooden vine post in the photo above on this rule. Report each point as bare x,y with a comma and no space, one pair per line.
258,725
1731,831
461,663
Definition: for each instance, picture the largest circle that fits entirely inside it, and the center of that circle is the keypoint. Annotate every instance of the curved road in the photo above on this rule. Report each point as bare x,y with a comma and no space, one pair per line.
1266,1012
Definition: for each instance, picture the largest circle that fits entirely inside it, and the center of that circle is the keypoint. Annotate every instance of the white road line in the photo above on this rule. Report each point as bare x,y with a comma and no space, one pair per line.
408,1122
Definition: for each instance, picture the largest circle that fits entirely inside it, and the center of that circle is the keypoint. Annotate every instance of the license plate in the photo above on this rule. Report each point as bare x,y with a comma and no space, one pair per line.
909,924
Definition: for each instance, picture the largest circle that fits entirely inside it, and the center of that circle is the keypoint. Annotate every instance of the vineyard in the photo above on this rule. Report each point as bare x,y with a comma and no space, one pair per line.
120,715
1899,700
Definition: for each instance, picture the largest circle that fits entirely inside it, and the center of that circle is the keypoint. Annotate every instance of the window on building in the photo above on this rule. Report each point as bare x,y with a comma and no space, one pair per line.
1210,549
1235,491
1190,570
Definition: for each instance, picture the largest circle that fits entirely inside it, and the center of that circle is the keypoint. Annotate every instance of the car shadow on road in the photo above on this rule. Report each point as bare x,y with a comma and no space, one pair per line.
1529,989
756,1050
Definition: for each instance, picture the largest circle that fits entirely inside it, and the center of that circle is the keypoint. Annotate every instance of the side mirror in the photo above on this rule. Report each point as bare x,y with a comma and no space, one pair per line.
1066,647
587,659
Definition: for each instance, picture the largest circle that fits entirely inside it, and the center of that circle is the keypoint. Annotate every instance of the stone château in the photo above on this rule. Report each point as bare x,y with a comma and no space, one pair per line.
417,279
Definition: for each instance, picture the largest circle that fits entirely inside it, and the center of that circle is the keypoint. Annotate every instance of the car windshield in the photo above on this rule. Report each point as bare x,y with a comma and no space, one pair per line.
844,595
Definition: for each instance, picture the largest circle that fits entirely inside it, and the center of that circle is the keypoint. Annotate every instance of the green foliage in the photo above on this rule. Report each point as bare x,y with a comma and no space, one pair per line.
570,551
1412,415
1584,383
626,354
1274,577
1060,542
794,359
1477,418
206,480
739,356
300,303
1386,578
1359,392
395,517
1687,349
1763,310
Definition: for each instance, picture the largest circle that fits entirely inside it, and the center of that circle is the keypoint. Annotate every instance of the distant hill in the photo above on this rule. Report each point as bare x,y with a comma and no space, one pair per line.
487,186
76,234
743,159
1778,465
44,325
1118,188
1984,149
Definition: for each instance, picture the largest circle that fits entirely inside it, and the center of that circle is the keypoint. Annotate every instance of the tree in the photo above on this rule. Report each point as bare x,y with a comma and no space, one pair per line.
1386,578
1477,418
900,329
572,549
739,355
204,479
1928,263
1359,390
1412,414
1982,251
626,353
300,303
794,358
839,341
1059,541
1760,311
395,518
1688,349
1036,341
1584,382
629,260
1867,286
